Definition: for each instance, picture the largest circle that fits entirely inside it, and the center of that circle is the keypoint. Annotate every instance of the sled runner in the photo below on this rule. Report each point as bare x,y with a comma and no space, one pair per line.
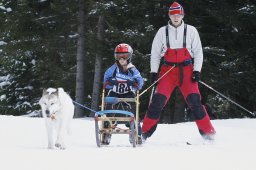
107,122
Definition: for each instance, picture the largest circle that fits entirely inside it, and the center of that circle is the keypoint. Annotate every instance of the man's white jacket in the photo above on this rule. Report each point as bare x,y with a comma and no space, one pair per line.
193,44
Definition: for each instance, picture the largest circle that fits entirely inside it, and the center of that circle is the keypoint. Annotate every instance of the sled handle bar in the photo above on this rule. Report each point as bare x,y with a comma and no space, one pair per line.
136,86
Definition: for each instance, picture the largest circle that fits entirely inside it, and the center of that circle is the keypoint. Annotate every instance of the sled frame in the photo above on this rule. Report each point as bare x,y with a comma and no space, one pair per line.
123,116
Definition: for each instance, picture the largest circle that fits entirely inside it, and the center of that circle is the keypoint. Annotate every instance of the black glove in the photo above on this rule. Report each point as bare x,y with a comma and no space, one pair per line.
153,77
130,82
196,76
112,81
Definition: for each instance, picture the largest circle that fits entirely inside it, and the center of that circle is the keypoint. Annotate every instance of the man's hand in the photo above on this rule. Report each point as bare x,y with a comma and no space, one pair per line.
196,76
153,77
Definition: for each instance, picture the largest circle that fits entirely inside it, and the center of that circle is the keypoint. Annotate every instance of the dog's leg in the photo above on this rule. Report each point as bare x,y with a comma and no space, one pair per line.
61,133
68,129
49,127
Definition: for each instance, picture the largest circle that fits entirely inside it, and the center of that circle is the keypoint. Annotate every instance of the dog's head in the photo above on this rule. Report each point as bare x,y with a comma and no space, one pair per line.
49,102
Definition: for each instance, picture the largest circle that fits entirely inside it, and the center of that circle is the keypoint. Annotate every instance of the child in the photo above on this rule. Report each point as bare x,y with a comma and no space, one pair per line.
122,78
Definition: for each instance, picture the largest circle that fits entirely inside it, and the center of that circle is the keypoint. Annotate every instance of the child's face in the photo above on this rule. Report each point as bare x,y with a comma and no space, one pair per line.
122,62
122,58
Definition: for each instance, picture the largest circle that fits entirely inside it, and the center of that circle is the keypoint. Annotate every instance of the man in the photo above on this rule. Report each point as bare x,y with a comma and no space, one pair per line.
181,48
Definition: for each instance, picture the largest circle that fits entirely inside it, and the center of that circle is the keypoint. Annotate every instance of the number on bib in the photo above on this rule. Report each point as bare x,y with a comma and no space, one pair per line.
121,88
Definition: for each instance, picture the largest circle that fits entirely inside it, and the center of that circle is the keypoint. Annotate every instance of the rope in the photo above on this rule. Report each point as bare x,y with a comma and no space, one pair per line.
156,81
84,106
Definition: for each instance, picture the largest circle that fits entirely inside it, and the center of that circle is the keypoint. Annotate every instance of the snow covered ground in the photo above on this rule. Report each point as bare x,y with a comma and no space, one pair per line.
23,144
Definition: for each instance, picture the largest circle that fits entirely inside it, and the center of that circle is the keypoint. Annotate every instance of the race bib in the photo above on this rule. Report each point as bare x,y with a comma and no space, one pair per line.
121,88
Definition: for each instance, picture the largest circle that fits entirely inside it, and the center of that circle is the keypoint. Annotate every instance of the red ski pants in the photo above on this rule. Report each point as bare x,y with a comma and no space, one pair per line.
190,93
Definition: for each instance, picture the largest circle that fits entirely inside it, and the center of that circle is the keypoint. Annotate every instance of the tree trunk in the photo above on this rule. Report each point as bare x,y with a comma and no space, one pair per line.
81,57
97,70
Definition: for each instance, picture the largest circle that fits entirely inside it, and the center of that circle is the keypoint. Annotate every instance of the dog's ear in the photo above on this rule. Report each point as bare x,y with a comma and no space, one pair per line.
44,92
56,92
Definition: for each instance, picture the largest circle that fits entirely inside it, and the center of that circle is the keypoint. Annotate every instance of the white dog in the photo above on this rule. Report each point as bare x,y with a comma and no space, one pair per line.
58,111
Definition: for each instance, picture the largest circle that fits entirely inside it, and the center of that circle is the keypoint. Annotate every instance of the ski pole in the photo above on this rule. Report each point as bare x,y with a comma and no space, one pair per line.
156,81
253,114
151,95
137,115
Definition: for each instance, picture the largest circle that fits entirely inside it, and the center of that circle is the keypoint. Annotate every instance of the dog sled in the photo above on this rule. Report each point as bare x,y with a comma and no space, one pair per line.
108,122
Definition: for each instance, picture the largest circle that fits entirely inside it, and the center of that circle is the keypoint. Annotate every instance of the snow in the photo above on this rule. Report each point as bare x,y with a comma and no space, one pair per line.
2,43
5,9
248,9
5,83
23,146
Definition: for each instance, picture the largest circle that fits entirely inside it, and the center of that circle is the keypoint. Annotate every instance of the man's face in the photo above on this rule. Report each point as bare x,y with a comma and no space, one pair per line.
176,19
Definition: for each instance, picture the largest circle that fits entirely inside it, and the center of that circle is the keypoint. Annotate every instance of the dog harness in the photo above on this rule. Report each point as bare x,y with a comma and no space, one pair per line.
178,57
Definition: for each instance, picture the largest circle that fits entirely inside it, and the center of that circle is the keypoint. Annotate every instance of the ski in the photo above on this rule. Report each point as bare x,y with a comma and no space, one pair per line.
188,143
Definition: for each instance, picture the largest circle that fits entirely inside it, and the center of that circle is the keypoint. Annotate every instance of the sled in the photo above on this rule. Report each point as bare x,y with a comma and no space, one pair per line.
107,121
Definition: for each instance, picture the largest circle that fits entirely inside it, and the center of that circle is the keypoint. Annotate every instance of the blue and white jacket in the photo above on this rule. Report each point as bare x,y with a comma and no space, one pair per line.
115,72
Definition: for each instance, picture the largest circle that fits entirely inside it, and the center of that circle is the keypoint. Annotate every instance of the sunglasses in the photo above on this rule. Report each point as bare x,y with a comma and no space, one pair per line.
124,56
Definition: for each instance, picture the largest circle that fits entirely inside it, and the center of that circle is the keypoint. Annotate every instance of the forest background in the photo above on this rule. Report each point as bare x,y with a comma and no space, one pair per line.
70,43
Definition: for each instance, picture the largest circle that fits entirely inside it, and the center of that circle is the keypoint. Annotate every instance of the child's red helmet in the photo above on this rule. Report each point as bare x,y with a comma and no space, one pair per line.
123,51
